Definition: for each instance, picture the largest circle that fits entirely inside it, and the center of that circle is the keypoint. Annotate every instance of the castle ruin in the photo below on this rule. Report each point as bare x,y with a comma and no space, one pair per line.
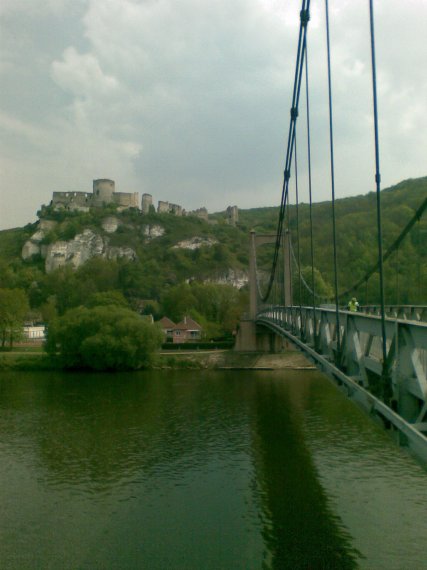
232,215
103,193
146,203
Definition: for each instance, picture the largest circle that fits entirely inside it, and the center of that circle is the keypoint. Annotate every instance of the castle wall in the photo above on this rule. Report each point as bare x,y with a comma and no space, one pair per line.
81,201
175,209
126,199
163,207
104,193
200,213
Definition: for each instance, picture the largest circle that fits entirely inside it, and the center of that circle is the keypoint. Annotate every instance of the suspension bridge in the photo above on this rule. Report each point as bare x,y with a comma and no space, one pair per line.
378,354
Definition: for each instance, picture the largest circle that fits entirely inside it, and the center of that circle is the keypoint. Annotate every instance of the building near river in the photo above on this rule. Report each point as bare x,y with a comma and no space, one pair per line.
34,332
187,330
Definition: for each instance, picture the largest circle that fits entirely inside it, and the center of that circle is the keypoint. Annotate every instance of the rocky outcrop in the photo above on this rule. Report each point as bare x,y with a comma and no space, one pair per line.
120,252
110,224
82,248
32,246
29,249
235,277
152,231
195,243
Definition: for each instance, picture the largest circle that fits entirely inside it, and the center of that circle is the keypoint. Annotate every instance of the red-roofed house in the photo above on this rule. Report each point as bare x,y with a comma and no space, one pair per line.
187,330
167,327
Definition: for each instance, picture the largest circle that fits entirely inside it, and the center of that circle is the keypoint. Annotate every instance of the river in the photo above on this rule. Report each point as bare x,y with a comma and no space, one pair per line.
220,470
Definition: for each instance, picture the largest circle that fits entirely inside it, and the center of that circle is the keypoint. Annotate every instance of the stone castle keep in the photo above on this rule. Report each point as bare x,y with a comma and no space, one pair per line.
104,193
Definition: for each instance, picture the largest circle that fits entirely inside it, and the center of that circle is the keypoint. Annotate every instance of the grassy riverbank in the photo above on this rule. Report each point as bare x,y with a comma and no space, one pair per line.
24,359
27,360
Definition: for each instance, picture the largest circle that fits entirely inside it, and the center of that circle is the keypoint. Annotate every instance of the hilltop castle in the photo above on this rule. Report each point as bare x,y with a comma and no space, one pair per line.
104,193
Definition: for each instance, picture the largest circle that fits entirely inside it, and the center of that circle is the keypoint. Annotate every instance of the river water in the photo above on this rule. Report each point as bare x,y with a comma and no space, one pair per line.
201,470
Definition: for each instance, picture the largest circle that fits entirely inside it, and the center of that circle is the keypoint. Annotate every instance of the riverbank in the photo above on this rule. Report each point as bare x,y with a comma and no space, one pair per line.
214,359
231,360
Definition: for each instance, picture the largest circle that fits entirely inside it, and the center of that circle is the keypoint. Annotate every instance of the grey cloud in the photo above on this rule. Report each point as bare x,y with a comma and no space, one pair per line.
190,101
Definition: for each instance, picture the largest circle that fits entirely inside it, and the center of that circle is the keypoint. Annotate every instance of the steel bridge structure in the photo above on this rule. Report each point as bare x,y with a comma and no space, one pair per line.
357,368
377,355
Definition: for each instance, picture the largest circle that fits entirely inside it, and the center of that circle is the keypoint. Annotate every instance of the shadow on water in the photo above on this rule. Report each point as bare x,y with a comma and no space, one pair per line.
299,528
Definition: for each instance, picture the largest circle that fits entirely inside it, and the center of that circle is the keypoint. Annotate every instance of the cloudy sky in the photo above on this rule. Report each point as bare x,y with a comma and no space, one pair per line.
188,100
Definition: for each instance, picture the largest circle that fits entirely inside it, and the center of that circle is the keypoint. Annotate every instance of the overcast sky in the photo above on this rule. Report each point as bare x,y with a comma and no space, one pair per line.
188,100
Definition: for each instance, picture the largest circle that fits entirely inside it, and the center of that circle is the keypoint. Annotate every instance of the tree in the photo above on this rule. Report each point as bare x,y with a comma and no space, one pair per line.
103,338
322,289
48,309
13,308
178,301
107,298
219,303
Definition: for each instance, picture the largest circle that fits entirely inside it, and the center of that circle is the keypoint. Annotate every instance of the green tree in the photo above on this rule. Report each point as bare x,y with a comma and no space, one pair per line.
107,298
220,304
48,309
103,338
13,308
322,289
178,301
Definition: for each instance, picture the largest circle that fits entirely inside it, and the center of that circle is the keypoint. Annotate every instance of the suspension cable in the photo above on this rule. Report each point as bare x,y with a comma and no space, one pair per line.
393,247
419,262
291,286
297,227
397,277
307,99
303,281
378,188
304,19
331,144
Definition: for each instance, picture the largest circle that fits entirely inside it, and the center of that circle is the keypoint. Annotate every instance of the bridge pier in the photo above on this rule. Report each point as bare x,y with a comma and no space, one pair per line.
253,338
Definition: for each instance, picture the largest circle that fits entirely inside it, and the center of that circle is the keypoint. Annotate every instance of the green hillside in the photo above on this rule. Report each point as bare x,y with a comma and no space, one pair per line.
161,269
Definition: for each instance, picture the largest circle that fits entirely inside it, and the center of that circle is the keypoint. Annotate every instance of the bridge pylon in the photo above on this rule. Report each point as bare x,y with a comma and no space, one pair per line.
250,337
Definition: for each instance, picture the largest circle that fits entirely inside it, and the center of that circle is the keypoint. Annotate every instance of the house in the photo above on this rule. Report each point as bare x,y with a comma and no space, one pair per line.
34,331
185,331
167,327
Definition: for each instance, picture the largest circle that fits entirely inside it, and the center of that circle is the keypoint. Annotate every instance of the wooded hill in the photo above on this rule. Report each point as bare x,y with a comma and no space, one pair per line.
160,267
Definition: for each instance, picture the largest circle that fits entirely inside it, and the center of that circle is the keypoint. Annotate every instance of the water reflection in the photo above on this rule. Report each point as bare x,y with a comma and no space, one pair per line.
212,470
101,429
299,527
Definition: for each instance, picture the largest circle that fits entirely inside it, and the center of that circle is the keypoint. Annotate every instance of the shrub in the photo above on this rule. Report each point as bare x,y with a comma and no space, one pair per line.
103,338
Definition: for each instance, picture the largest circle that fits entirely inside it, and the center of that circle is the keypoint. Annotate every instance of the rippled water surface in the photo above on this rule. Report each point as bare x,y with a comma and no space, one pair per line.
201,470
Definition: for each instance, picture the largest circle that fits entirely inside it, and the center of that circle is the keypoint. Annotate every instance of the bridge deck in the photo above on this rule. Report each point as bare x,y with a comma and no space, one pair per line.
397,393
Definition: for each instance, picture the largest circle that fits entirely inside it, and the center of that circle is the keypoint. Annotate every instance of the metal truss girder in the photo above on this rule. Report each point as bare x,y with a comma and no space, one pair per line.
360,358
373,365
412,433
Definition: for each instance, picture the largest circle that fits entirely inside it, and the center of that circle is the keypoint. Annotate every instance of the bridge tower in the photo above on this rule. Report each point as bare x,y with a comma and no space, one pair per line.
251,337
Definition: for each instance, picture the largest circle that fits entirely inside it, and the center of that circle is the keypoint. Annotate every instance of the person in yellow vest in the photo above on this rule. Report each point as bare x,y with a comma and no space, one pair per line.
353,305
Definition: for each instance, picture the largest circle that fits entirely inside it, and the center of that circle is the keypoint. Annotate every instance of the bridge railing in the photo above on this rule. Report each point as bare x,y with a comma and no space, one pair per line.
359,355
404,312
